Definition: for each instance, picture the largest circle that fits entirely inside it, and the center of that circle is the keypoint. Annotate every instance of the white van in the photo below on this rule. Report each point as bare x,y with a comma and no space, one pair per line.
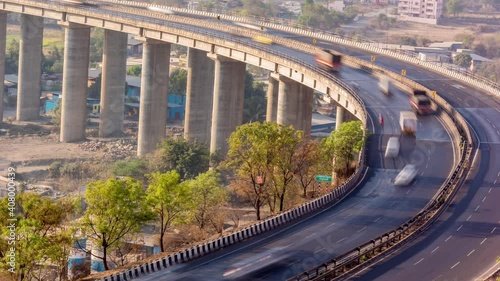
392,149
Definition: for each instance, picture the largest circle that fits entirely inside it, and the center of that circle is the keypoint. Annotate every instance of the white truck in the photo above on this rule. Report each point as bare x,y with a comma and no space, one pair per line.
392,150
408,122
385,85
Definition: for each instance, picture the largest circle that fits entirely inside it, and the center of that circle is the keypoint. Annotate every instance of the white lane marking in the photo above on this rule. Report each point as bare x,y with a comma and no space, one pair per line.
454,265
483,241
498,133
421,174
319,250
361,229
459,227
330,225
498,175
447,239
288,245
435,249
376,220
310,235
470,253
477,207
341,240
495,182
469,217
489,190
349,215
437,277
427,165
292,262
494,126
419,261
483,199
408,191
494,228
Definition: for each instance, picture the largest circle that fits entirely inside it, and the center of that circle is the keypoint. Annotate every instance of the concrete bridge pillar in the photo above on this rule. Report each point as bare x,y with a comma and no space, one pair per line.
75,80
30,70
154,95
3,34
305,108
113,82
339,117
199,96
272,99
288,99
229,91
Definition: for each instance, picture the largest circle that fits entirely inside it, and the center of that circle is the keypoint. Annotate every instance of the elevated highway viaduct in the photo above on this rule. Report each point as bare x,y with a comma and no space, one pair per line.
377,196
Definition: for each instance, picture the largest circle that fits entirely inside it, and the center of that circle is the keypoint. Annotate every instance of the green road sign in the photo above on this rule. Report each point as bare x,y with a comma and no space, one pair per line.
323,178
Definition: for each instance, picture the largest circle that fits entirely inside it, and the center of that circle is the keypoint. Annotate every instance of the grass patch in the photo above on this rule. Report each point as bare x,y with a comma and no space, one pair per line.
48,43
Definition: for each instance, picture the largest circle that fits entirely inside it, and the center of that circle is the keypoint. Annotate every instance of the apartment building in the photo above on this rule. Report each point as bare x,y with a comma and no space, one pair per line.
423,11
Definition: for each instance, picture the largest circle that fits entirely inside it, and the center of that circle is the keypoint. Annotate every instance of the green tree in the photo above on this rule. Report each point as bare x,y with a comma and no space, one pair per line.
12,57
96,44
265,159
42,236
462,59
490,70
55,115
454,7
170,200
135,70
189,159
250,158
318,16
344,142
406,40
209,197
134,168
115,209
178,81
466,39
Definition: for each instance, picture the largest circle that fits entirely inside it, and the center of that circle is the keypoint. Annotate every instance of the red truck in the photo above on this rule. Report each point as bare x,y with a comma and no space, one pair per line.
420,102
328,61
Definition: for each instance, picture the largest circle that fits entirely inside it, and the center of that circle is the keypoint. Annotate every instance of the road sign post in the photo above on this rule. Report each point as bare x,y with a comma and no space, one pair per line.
323,178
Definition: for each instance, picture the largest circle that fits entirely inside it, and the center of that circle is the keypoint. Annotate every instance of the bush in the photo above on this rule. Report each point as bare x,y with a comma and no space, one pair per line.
134,168
55,169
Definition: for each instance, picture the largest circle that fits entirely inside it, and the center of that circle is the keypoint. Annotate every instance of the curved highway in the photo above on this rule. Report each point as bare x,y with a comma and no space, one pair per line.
371,210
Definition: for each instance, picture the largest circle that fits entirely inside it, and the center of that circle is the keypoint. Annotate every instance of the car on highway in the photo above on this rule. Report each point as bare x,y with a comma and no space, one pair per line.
257,262
406,176
160,10
392,150
73,2
251,26
328,60
263,40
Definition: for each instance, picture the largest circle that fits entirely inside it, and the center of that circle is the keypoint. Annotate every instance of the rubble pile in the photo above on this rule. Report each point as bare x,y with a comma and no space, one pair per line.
114,150
120,149
92,146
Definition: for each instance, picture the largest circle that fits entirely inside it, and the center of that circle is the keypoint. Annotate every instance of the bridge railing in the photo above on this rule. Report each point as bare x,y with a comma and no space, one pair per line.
293,26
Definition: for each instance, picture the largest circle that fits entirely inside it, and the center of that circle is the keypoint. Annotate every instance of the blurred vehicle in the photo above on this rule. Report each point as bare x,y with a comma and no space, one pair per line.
257,262
408,122
406,176
161,10
251,26
73,2
328,61
392,149
420,102
385,85
263,40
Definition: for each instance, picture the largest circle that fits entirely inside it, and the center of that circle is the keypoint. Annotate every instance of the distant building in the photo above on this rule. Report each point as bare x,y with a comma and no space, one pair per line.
476,61
423,11
448,46
134,47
